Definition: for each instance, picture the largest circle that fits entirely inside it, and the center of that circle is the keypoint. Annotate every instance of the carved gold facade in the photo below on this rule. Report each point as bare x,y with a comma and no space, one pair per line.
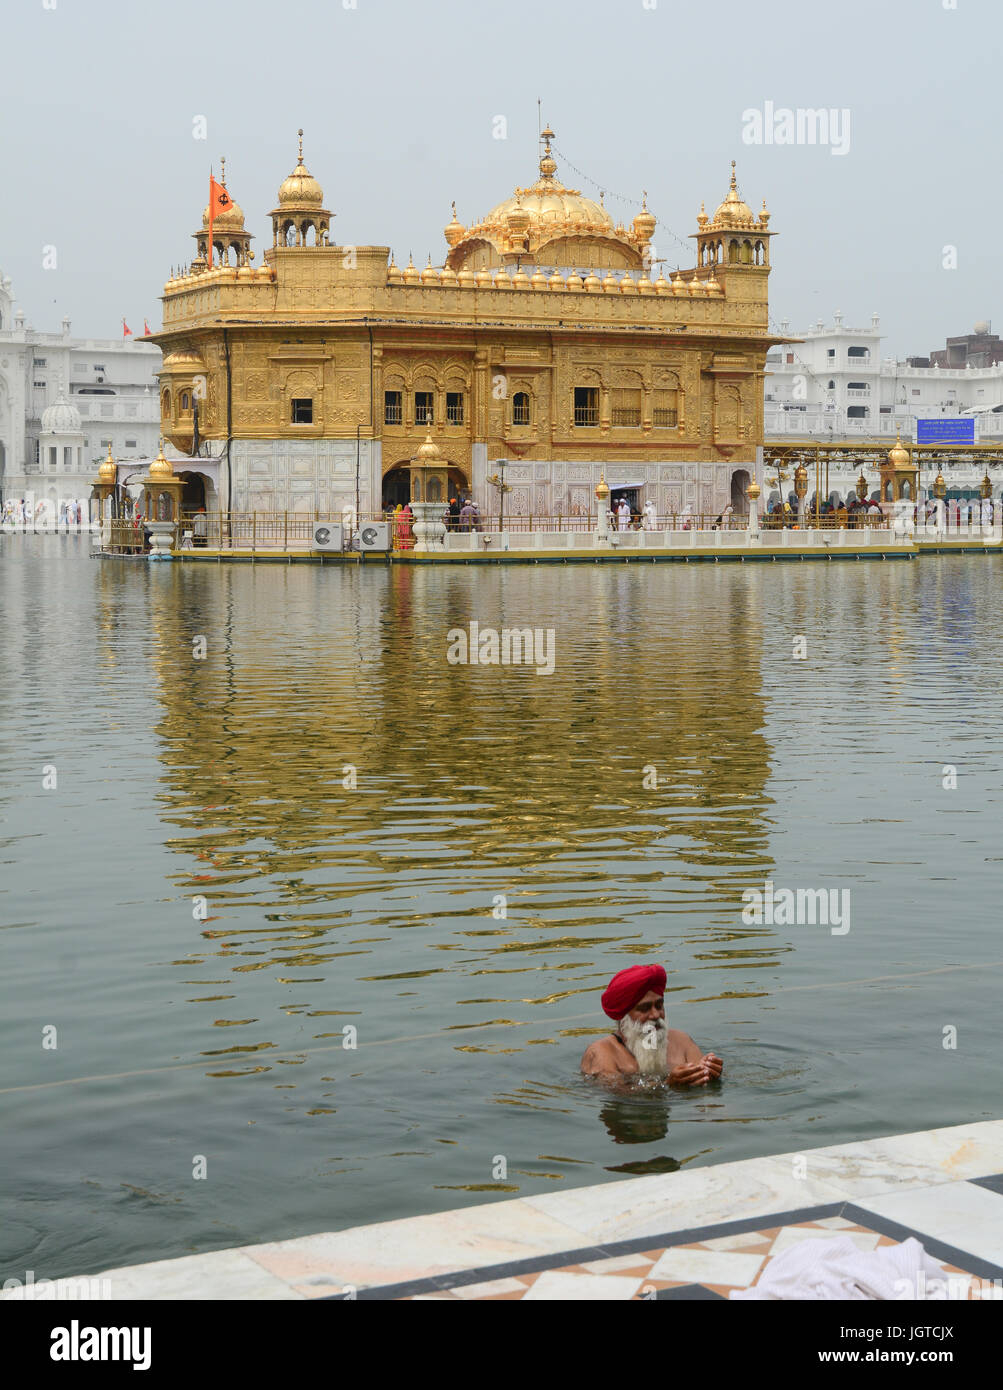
543,341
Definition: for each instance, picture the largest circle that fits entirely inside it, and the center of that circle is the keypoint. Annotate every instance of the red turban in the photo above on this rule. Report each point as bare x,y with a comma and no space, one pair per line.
628,986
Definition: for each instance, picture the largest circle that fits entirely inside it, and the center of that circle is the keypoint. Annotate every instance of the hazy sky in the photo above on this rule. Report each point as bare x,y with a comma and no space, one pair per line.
399,100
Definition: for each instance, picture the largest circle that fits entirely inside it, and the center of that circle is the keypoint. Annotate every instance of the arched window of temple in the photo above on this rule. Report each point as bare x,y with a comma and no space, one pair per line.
185,403
520,408
165,403
733,254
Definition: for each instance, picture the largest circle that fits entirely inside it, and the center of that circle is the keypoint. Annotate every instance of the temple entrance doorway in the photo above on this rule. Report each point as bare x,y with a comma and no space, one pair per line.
396,486
739,482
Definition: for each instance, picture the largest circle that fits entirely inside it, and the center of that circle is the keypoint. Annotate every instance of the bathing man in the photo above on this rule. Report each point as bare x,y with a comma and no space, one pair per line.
642,1043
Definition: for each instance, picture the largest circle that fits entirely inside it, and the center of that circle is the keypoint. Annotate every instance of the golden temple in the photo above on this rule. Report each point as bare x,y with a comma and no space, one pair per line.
550,340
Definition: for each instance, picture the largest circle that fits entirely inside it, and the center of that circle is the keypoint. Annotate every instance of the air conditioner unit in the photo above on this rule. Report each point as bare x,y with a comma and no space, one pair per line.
375,535
326,535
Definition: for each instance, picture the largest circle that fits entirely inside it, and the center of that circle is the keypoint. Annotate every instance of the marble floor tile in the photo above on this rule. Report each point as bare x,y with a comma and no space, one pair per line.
491,1288
910,1160
579,1288
615,1263
678,1201
794,1235
958,1213
691,1266
395,1251
749,1241
218,1274
834,1223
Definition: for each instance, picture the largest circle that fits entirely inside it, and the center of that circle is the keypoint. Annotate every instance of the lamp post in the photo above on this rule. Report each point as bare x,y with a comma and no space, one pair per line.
429,484
602,510
752,492
801,489
497,480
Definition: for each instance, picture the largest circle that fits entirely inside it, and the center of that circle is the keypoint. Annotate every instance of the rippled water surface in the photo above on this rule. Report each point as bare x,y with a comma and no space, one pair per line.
463,907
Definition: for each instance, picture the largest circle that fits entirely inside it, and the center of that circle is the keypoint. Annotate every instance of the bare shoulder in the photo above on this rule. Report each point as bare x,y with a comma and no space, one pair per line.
599,1057
681,1044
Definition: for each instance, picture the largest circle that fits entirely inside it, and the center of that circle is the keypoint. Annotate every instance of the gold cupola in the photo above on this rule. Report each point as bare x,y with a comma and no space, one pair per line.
160,467
108,469
734,236
300,209
454,230
549,224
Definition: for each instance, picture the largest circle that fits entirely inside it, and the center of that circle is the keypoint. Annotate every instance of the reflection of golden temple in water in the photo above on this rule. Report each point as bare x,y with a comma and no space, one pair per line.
469,783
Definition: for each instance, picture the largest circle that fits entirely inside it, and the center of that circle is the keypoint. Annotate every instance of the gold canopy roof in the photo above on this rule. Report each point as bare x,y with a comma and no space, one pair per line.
544,212
300,189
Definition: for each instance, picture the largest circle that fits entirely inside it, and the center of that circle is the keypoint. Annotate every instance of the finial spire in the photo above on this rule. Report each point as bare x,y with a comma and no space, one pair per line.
222,169
301,144
734,184
454,209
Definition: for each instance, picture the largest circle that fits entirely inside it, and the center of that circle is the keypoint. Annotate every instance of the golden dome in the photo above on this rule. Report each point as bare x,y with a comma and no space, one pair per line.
611,284
502,279
538,280
411,276
394,276
455,231
628,285
898,456
556,281
574,281
733,212
160,467
644,223
520,280
602,489
482,278
430,276
108,469
183,358
447,275
543,212
662,285
593,283
300,189
429,454
465,277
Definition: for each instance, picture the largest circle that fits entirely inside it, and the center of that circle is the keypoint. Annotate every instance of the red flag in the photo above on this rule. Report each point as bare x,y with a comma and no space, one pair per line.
126,330
219,201
146,329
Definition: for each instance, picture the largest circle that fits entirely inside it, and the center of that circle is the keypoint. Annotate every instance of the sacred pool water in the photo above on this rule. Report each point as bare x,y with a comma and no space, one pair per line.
310,931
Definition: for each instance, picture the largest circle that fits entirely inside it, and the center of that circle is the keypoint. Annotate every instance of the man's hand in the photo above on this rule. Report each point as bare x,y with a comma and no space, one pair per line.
713,1064
689,1074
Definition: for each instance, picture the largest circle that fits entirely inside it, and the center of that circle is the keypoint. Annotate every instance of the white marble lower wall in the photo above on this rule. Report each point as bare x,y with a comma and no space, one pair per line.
568,489
304,476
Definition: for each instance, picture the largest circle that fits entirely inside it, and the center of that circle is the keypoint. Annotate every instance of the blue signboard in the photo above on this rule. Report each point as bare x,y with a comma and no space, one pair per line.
946,431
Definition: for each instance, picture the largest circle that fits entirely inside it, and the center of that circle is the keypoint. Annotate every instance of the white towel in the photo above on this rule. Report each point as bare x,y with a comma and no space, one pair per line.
835,1268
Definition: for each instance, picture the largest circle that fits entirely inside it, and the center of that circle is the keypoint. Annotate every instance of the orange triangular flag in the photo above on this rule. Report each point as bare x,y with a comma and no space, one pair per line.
219,201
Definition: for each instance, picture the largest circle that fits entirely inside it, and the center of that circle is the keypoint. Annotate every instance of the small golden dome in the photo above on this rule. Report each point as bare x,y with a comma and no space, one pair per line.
702,218
502,279
300,189
429,454
482,278
430,276
520,280
518,220
611,284
696,288
644,223
394,276
733,212
574,281
108,469
160,467
447,275
602,489
556,281
592,283
465,277
898,455
455,231
411,276
538,280
628,285
644,285
662,285
753,491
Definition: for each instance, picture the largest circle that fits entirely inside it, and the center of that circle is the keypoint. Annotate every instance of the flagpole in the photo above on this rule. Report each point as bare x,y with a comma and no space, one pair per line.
212,212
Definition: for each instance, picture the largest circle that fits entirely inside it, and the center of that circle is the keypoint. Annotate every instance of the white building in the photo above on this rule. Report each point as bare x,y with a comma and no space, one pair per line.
63,402
836,385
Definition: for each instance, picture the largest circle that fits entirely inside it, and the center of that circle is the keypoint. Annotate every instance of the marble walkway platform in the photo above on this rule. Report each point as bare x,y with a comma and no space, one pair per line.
693,1234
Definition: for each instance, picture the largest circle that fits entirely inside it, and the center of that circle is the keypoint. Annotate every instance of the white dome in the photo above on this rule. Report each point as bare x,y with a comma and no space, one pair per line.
61,418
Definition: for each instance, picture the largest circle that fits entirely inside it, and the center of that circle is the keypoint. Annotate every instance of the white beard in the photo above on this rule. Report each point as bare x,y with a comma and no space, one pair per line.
648,1043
